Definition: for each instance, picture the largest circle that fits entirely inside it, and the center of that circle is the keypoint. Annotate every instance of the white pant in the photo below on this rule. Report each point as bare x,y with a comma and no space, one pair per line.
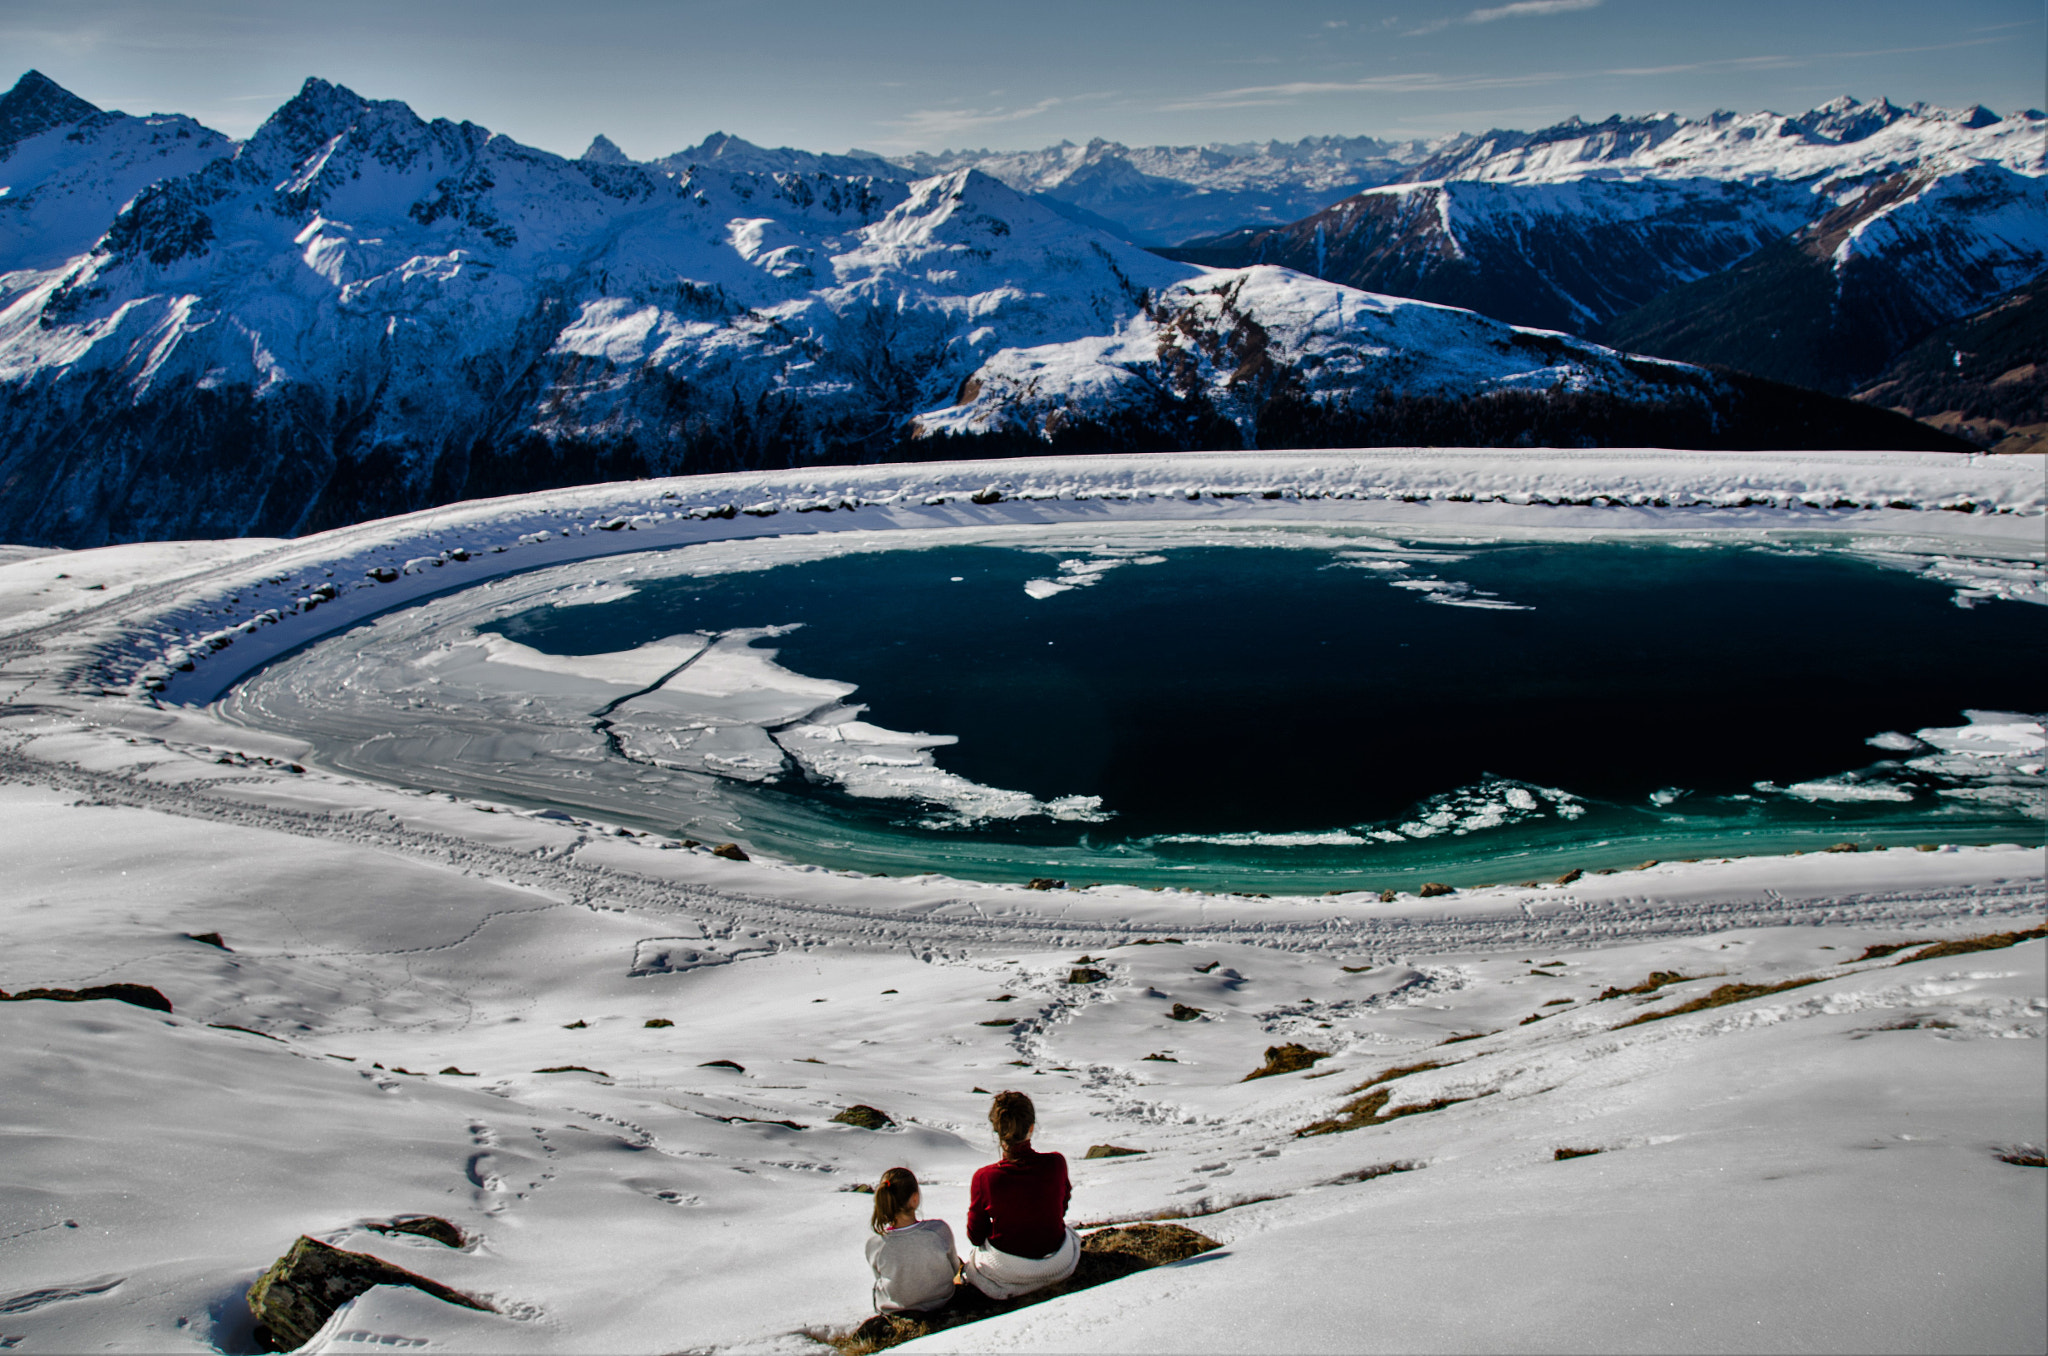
1001,1276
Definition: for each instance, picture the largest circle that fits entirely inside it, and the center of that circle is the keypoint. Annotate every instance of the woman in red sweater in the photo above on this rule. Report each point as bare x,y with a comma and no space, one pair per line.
1016,1213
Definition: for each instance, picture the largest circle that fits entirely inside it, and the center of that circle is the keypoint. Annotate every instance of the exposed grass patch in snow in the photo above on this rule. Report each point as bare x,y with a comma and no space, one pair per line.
1721,997
1658,979
1376,1170
1963,946
1882,949
1371,1108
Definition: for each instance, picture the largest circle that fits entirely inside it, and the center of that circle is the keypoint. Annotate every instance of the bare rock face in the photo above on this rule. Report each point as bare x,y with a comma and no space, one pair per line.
304,1287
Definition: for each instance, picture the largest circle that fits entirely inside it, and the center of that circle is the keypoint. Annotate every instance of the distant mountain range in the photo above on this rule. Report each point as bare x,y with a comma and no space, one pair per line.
357,312
1811,249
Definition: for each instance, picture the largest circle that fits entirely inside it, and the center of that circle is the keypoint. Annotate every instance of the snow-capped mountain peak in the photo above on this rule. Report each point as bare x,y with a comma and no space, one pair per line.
602,151
36,104
67,167
360,310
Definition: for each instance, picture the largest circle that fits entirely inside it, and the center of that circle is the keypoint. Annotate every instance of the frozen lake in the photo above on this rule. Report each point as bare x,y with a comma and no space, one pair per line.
1259,711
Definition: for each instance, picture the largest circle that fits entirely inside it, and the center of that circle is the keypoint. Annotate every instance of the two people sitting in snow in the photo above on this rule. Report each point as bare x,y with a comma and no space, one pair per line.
1019,1239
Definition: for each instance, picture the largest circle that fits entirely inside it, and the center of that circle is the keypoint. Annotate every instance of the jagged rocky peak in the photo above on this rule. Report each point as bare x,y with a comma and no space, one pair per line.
35,105
1977,116
318,113
603,151
726,152
719,144
386,129
1848,119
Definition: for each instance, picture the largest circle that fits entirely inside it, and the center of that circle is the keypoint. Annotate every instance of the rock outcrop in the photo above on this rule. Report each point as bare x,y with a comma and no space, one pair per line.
304,1287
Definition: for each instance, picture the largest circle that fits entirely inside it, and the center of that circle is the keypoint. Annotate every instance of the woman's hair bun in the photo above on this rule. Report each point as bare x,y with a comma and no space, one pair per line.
1013,1117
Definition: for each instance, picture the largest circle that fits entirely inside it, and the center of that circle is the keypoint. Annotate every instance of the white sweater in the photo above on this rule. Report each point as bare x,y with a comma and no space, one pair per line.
914,1266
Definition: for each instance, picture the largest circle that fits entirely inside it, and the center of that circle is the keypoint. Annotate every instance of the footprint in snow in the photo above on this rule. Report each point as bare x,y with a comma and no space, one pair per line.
30,1300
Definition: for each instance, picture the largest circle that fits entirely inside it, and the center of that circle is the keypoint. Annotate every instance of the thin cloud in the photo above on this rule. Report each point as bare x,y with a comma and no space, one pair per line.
930,124
1261,96
1519,9
1528,9
1720,64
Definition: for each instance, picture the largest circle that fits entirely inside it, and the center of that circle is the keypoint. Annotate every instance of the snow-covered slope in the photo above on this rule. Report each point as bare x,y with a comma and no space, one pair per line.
1904,217
388,1003
359,312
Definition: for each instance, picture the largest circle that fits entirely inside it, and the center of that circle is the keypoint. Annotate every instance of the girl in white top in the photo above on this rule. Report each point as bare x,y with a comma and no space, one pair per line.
914,1261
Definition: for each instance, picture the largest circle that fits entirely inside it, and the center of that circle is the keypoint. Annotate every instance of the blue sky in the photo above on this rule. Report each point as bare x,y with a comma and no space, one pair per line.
657,75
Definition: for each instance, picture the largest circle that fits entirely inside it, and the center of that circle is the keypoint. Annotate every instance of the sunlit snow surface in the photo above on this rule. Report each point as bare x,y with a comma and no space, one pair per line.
1812,1169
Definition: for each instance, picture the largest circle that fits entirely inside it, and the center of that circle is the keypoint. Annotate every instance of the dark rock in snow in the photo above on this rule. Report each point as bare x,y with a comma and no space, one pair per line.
422,1226
1110,1151
1288,1058
303,1288
141,995
864,1116
1085,974
210,938
732,852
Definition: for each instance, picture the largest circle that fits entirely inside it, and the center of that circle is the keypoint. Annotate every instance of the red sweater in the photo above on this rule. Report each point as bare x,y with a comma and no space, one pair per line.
1019,1205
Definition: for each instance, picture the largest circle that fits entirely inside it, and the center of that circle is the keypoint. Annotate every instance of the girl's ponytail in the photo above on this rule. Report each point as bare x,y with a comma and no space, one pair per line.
892,1197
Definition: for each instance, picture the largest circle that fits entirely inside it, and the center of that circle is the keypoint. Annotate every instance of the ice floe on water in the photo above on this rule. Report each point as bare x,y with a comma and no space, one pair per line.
1332,838
1454,593
1996,758
1493,803
1447,592
475,704
1489,805
1080,572
1975,579
1843,789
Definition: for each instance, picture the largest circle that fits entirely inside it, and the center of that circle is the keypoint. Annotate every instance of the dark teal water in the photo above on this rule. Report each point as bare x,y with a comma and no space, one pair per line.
1236,691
